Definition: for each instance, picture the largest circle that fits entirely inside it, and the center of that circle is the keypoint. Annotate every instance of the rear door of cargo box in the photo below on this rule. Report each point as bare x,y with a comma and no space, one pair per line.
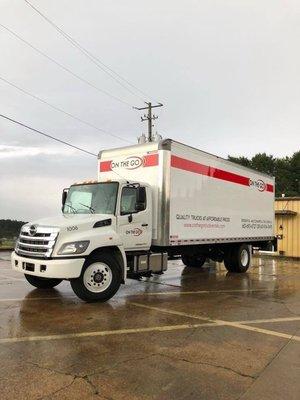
212,199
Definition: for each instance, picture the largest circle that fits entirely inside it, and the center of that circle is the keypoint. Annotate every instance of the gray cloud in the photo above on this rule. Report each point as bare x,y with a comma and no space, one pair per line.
22,151
228,73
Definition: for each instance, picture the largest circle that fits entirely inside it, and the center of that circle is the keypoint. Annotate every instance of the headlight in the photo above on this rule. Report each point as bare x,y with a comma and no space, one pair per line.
74,247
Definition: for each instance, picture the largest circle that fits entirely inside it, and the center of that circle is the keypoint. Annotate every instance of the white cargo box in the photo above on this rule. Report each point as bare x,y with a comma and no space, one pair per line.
198,198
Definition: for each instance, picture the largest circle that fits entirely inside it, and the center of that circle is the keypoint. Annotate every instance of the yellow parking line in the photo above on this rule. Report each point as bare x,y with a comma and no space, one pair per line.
209,323
216,321
261,321
166,328
220,322
174,312
265,331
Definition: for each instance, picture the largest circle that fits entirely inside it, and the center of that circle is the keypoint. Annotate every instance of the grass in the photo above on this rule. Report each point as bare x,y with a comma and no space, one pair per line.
7,244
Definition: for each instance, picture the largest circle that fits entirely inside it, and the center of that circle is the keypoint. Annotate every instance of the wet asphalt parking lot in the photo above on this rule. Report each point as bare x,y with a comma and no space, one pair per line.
187,334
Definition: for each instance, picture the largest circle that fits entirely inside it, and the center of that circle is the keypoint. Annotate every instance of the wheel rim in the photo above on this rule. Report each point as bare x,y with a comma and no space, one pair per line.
244,257
97,277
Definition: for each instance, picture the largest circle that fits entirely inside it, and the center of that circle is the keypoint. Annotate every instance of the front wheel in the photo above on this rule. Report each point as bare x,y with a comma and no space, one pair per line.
42,283
100,279
196,261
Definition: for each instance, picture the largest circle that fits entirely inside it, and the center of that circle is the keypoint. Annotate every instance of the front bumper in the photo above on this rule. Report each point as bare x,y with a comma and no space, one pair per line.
57,268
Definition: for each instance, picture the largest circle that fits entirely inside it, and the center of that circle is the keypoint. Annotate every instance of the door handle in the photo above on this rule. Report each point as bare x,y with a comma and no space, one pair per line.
144,224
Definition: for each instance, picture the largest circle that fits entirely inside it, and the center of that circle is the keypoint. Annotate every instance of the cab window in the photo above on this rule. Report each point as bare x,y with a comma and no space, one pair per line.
130,197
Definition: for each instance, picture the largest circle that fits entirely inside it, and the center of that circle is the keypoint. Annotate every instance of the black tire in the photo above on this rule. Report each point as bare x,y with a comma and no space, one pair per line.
196,261
42,283
228,259
84,289
238,258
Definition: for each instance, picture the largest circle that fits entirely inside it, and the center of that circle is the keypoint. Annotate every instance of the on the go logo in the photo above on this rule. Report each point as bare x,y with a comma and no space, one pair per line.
258,184
131,162
134,232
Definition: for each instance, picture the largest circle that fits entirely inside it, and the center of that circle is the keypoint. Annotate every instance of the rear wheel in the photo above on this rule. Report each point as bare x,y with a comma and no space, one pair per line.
196,261
42,283
100,279
238,258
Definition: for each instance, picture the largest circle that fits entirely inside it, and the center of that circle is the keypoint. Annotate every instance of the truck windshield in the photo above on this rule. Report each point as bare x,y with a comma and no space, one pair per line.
96,198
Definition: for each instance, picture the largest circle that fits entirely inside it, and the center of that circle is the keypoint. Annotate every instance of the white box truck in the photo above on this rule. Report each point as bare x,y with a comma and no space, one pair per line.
151,202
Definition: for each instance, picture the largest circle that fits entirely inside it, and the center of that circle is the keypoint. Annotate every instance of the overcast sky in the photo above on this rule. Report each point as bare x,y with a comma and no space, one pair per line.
227,72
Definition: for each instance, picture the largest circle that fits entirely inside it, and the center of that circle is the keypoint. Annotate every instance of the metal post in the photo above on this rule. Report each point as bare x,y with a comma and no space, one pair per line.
149,117
149,122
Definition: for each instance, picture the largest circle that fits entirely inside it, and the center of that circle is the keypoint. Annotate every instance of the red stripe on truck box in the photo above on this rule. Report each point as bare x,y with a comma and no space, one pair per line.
197,168
105,166
151,160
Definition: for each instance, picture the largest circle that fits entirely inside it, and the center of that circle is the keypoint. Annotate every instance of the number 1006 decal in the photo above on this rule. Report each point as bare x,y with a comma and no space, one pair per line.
72,228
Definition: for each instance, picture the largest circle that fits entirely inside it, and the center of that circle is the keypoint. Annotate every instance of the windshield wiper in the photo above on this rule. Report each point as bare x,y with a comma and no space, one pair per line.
89,207
71,207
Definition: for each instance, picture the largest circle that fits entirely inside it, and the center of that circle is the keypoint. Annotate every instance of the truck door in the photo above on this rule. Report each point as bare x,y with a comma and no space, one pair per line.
135,218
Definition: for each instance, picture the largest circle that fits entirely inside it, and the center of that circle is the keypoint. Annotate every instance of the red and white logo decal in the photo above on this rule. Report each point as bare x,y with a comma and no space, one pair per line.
130,163
137,232
134,232
258,184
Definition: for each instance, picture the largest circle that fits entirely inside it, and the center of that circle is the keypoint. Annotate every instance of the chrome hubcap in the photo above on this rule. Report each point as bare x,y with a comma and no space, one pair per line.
244,257
97,277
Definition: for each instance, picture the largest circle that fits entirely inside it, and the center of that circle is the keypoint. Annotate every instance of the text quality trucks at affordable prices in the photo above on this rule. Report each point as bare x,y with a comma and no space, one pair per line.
151,202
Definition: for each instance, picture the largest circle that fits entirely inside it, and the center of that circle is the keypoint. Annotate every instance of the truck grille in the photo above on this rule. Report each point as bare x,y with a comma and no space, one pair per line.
36,241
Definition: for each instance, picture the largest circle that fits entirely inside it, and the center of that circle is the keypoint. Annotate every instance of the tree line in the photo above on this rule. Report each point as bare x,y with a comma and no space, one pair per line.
286,171
10,228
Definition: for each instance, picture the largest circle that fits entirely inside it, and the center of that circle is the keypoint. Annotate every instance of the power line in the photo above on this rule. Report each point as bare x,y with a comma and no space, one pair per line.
103,67
47,135
62,111
63,67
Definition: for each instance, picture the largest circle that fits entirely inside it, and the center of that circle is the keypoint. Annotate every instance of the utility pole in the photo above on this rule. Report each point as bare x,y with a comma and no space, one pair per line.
149,117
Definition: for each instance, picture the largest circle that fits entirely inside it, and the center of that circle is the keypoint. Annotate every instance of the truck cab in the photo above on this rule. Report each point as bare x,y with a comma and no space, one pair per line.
125,206
101,222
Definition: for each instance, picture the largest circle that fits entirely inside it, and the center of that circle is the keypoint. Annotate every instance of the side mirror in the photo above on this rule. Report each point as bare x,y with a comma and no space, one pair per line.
139,207
64,197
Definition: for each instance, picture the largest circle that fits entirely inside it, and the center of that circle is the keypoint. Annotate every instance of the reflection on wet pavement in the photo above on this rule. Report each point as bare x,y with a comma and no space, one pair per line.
186,334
